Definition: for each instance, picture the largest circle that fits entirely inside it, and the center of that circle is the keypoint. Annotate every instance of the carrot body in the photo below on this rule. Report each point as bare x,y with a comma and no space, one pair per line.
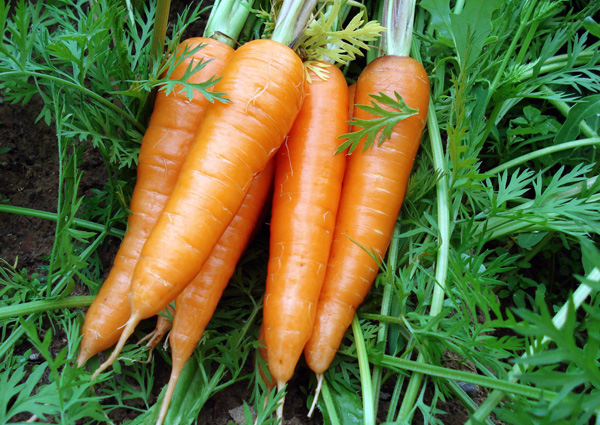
308,183
196,304
170,133
265,82
372,194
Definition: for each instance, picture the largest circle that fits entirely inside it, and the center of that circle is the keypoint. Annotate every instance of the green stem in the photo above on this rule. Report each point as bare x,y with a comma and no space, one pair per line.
30,212
495,398
87,92
227,20
443,253
289,19
555,63
160,29
385,308
398,18
459,375
527,41
22,309
329,404
459,6
15,335
546,151
411,394
62,152
510,51
395,397
365,374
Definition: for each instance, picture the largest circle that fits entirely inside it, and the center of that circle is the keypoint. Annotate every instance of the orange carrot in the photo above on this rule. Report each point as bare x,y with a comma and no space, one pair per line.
308,182
196,304
372,194
164,147
264,80
163,326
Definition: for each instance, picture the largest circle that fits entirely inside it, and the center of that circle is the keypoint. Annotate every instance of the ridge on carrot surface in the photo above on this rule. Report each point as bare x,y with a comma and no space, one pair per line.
264,81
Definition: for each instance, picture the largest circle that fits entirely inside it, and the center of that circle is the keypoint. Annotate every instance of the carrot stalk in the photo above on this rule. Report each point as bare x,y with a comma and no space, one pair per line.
227,21
166,142
197,303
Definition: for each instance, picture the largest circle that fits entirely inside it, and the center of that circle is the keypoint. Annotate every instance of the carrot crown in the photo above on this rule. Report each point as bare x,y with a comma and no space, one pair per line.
397,18
227,20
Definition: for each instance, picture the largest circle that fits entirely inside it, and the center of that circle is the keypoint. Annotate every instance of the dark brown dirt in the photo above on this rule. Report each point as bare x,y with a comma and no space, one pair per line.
29,176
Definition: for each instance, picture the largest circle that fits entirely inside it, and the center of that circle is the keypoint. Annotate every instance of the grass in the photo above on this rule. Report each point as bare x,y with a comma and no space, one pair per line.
494,259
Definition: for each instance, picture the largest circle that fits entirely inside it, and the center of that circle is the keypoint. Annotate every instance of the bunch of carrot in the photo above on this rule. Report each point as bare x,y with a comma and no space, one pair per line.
205,172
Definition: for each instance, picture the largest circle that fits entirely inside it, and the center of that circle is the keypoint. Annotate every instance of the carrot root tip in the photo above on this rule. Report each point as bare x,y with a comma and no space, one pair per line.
280,387
317,393
164,407
127,332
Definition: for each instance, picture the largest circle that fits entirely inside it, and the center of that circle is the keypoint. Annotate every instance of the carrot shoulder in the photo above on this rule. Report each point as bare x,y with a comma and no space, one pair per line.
373,190
170,133
265,82
308,182
197,303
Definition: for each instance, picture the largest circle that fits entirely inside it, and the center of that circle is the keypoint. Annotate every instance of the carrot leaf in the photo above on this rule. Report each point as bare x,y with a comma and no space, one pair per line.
387,111
321,40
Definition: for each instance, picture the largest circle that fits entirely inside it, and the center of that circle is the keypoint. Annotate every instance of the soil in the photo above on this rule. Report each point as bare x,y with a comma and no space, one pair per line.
29,178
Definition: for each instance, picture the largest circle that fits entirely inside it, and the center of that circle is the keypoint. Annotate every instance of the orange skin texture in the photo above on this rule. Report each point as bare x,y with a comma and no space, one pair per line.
307,187
165,145
374,186
197,303
265,82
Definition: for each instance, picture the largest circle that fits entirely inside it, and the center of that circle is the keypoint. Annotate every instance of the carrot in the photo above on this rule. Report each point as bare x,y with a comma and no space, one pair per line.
373,190
163,326
166,142
264,80
308,182
197,303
